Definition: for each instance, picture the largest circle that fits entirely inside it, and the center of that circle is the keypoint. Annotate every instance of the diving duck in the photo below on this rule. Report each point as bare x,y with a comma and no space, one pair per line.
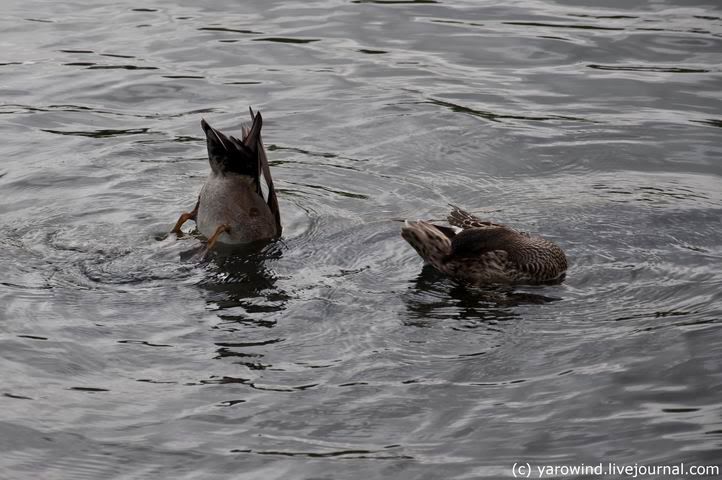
237,204
479,252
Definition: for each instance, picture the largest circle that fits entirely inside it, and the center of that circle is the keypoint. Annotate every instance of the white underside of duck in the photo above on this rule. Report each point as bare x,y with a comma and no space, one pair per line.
232,200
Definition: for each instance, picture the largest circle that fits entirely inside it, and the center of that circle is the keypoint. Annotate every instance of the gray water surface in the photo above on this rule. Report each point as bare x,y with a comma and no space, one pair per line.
332,353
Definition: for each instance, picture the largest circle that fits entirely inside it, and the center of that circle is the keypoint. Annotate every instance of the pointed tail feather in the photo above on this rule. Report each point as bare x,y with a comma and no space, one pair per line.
463,219
431,243
251,134
227,154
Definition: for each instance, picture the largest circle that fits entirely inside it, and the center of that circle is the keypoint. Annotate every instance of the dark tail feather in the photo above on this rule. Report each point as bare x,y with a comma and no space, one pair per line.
272,201
252,138
227,154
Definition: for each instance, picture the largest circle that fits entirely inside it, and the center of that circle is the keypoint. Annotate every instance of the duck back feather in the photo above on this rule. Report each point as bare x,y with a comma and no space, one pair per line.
484,252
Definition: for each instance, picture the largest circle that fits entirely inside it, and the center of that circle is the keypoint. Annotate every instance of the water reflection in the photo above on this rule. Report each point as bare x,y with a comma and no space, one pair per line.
240,277
434,297
240,287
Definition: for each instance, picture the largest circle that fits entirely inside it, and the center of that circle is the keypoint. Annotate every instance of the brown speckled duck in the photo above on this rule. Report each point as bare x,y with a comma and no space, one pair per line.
478,252
237,203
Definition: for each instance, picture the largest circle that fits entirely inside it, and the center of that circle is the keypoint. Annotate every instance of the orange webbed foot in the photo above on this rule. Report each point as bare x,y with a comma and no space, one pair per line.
183,219
223,228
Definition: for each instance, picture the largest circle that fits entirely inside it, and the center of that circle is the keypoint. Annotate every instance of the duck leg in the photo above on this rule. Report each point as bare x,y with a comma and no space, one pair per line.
184,218
222,228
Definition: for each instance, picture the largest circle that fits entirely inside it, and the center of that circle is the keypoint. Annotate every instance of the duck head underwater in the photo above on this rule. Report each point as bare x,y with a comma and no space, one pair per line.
237,204
479,252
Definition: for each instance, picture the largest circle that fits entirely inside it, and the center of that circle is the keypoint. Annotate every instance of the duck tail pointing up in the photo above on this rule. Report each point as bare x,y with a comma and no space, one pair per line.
430,242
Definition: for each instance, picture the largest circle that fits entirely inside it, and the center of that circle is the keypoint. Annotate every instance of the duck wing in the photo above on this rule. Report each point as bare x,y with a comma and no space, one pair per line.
534,256
251,133
476,241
